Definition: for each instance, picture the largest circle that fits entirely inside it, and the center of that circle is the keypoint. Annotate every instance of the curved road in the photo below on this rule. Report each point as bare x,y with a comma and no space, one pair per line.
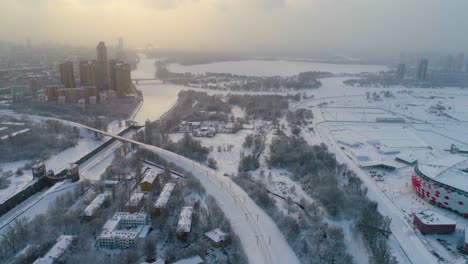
260,237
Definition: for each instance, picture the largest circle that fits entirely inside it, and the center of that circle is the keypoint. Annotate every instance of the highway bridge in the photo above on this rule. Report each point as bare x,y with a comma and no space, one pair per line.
138,80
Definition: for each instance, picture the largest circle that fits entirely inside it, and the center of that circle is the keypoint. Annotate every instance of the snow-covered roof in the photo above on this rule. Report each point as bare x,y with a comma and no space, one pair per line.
407,157
158,261
429,217
129,234
62,244
111,227
26,251
135,199
451,170
348,142
144,231
12,124
191,260
466,234
185,219
165,195
22,131
388,151
216,235
149,175
96,203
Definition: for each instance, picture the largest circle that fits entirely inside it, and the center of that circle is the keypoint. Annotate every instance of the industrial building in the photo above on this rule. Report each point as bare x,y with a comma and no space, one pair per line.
444,182
430,222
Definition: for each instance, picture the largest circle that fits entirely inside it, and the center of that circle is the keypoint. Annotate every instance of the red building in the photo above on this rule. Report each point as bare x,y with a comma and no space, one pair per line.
430,222
444,183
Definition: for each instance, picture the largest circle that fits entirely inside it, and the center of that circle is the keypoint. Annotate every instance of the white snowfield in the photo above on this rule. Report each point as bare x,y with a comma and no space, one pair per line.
260,237
409,242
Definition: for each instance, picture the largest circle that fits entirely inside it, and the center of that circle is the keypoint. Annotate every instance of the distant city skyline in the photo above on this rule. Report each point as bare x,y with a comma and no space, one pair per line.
254,26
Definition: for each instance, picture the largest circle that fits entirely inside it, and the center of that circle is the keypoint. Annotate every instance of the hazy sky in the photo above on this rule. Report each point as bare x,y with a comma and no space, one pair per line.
244,25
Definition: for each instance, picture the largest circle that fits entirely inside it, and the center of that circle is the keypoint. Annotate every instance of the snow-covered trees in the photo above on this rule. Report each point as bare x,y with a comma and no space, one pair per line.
336,188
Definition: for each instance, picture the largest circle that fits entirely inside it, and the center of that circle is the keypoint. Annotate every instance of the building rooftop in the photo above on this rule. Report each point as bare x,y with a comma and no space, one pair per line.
185,219
112,229
135,199
96,203
165,195
407,157
451,170
466,234
149,175
124,233
216,235
191,260
62,244
429,217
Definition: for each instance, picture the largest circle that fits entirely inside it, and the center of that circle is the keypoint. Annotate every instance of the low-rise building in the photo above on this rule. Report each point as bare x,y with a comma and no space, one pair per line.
465,242
185,223
57,252
407,158
95,204
163,198
123,230
191,260
151,179
430,222
135,202
217,237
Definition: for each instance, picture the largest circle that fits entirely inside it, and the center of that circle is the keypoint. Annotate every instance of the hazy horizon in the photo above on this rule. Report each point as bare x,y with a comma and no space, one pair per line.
254,26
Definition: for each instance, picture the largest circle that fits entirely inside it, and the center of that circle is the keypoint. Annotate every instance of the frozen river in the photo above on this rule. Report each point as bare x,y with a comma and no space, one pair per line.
159,97
274,67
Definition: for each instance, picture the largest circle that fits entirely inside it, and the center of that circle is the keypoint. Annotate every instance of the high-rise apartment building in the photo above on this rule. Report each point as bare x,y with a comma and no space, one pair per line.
123,80
66,74
112,70
88,70
422,70
102,76
460,61
401,70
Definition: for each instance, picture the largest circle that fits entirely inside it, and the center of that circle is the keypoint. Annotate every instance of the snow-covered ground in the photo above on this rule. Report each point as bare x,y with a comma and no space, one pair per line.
426,135
56,163
35,205
276,180
262,243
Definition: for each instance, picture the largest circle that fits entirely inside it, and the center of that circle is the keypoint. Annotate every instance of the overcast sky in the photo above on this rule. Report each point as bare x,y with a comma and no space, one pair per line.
244,25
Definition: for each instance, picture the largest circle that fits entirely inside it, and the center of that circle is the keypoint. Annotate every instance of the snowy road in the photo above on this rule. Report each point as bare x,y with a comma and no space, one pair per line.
261,239
412,246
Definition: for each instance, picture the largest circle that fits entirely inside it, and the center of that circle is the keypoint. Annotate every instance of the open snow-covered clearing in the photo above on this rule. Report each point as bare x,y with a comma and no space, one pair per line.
434,120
